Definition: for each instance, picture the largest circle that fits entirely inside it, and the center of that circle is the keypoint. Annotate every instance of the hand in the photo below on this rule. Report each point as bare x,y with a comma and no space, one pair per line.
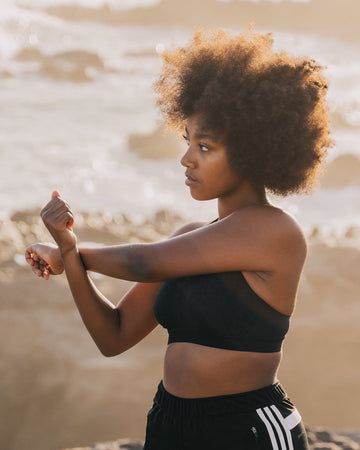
59,220
44,259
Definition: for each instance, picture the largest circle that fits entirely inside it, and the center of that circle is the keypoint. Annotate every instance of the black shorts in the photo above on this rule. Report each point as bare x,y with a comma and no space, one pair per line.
263,419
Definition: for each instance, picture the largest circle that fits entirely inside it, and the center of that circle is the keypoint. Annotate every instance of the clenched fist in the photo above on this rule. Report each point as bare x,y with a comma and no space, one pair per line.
44,259
59,220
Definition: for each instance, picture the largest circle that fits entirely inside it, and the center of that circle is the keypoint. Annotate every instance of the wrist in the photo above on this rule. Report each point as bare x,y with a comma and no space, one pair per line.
66,251
55,259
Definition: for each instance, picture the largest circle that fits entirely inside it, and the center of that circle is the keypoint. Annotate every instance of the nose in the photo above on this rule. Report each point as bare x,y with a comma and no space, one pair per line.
188,159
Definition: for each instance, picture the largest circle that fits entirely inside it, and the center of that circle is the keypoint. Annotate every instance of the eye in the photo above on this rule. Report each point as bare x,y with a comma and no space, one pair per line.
204,148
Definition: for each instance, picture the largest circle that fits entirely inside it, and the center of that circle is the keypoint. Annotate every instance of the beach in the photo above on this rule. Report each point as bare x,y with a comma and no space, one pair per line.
55,379
79,116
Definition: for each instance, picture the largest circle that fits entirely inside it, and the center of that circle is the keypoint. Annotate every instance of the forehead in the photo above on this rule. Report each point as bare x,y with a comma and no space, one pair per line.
196,126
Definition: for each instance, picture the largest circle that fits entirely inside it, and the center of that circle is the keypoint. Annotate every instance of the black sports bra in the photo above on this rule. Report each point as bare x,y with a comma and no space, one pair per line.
219,310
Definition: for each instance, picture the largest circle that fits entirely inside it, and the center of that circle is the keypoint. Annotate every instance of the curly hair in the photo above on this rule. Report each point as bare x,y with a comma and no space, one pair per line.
268,108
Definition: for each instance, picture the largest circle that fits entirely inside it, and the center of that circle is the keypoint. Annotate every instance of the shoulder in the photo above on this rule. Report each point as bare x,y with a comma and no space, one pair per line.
265,215
187,228
272,224
269,223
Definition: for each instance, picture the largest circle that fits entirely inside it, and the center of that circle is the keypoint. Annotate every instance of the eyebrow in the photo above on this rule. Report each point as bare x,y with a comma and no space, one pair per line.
202,135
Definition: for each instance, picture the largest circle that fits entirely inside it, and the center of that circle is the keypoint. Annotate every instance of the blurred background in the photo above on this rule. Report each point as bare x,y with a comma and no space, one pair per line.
78,115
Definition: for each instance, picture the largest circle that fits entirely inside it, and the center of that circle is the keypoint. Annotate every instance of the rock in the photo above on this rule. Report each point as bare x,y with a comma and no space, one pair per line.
319,439
322,438
353,233
120,444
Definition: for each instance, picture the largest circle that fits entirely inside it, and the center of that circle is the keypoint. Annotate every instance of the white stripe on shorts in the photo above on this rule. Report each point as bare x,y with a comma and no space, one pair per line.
282,426
263,417
293,419
279,430
288,423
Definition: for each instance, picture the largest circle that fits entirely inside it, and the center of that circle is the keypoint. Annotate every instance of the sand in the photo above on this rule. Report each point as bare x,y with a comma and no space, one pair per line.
54,378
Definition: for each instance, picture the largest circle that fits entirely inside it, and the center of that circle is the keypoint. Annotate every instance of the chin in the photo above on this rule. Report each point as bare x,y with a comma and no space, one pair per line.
201,197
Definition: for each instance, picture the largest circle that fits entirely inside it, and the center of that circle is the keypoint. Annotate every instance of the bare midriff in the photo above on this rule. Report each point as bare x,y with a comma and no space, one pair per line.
195,371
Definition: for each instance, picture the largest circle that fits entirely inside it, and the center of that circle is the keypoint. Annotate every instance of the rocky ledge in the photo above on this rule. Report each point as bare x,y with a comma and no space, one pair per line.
319,439
119,444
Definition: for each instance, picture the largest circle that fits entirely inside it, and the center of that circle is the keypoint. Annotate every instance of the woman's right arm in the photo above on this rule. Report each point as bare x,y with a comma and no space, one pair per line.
114,329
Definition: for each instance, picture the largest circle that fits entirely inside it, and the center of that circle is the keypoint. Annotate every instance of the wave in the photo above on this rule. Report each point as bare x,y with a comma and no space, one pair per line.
116,4
343,118
70,65
346,115
305,16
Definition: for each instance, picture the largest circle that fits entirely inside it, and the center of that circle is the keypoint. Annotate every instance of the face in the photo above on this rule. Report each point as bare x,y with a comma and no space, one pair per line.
208,173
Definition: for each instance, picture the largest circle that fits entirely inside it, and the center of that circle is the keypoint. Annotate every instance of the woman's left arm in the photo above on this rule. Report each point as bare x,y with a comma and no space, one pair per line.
254,238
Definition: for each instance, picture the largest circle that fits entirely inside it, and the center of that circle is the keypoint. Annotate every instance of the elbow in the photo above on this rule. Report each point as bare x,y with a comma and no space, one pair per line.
106,350
112,346
109,352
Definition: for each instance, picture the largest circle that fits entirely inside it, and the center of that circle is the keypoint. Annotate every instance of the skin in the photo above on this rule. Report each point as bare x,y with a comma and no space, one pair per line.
252,236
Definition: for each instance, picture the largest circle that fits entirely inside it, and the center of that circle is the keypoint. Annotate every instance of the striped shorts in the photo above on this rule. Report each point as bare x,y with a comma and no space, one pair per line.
264,419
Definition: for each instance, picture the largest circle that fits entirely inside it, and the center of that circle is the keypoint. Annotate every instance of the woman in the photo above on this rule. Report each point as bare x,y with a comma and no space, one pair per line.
254,121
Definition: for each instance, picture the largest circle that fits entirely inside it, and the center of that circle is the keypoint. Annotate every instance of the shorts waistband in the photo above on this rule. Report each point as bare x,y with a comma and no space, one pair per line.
243,402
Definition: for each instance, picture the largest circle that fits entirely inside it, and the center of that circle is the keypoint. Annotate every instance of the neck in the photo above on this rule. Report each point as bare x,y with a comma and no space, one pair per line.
245,196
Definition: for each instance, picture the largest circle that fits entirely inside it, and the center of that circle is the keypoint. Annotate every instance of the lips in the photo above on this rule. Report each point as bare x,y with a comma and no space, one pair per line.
190,180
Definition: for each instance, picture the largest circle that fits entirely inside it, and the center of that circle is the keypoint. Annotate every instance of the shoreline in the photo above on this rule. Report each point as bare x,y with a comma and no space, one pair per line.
24,227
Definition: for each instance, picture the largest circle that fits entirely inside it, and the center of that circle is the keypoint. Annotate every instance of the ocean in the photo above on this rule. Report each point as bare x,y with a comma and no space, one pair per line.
75,93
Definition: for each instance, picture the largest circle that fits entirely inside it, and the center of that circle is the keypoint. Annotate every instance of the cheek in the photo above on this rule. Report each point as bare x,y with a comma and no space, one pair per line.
227,183
226,177
233,178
